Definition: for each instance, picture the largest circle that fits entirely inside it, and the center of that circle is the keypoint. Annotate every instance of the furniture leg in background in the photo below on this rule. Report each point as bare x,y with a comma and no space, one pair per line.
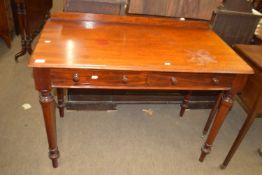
23,28
31,16
185,103
60,101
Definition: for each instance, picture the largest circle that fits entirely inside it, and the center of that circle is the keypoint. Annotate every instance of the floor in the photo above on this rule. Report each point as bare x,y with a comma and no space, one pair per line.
126,141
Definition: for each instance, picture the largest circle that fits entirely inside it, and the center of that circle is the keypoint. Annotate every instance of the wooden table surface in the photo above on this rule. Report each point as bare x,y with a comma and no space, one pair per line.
138,43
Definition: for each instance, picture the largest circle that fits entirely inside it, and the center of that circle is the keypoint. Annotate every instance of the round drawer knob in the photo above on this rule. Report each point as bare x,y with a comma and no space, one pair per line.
173,81
216,81
125,79
76,78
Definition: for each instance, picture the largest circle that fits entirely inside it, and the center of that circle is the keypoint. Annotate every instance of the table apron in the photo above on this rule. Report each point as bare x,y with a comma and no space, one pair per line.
107,79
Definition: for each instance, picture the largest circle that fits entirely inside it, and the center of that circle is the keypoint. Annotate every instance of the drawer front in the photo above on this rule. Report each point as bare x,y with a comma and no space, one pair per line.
139,80
190,80
97,78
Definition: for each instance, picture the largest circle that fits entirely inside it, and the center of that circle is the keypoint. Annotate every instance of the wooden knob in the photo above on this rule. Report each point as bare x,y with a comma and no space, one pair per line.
173,80
215,81
76,78
125,79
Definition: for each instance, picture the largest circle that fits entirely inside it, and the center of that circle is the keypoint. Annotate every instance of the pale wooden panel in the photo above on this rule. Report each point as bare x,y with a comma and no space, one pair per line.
199,9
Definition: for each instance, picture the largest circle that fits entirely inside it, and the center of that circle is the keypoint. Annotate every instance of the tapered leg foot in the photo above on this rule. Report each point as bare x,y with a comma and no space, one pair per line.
222,167
19,54
54,155
26,47
22,52
204,151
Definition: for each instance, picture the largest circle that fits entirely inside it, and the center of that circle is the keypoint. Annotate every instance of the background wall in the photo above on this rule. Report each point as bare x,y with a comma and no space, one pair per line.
57,5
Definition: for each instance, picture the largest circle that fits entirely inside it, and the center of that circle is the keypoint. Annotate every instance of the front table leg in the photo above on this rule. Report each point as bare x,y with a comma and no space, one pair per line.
225,106
47,103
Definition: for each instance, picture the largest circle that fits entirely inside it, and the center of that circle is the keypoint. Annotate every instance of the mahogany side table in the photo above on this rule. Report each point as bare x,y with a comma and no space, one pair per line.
77,50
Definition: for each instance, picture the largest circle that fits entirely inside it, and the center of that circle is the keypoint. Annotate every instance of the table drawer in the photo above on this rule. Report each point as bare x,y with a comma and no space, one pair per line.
143,80
190,80
96,78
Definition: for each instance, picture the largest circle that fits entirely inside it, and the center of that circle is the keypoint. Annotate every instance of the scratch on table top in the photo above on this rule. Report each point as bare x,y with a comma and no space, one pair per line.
201,57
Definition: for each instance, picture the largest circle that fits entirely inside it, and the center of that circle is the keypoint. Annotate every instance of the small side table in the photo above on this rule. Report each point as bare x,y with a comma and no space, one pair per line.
251,97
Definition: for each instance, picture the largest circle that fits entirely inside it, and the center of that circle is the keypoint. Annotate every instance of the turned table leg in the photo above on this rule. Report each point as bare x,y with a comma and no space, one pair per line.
212,114
225,106
185,103
60,101
47,103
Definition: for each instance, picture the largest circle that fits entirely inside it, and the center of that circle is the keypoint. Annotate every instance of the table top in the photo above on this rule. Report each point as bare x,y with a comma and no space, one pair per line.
95,41
252,52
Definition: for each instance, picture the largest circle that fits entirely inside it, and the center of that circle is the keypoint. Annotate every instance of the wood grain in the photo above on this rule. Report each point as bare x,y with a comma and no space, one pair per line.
138,44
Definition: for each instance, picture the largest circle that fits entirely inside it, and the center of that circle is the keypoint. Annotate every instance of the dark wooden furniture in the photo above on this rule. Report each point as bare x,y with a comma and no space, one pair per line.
226,22
198,9
6,22
111,7
77,50
31,15
251,96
